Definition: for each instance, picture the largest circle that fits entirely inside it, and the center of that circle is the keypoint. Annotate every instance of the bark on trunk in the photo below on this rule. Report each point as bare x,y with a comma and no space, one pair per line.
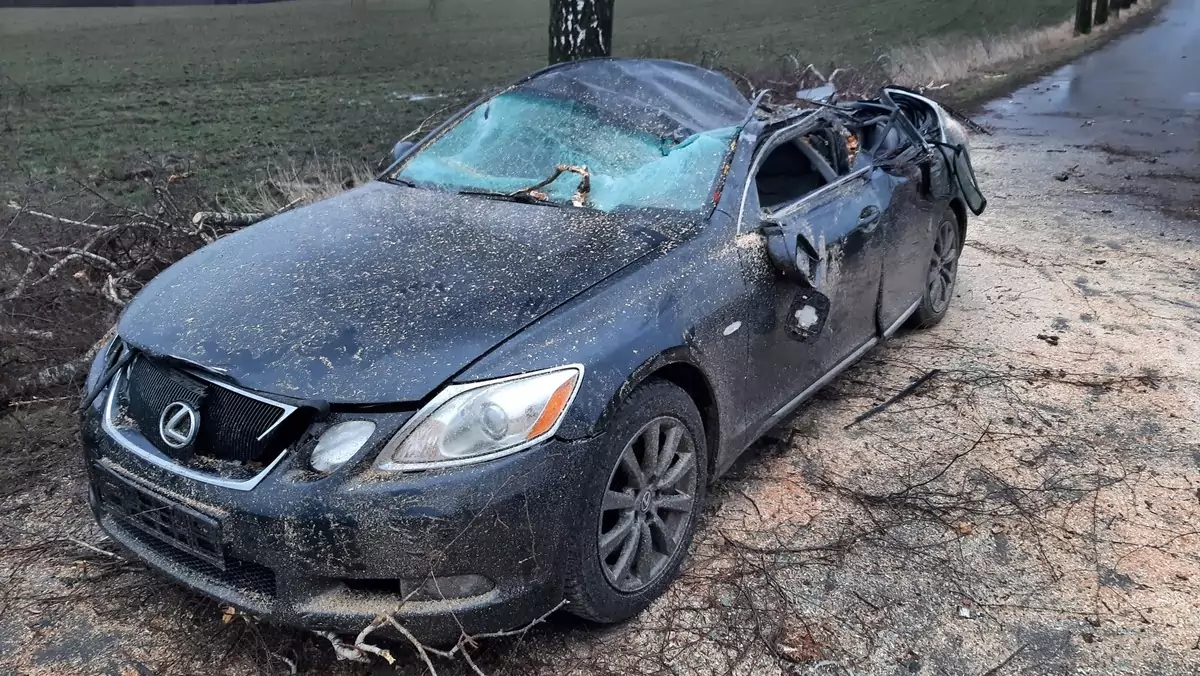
52,376
68,373
1102,11
1083,17
580,29
229,220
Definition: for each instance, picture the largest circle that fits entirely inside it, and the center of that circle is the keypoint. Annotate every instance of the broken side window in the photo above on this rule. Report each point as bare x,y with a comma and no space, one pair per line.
786,175
832,146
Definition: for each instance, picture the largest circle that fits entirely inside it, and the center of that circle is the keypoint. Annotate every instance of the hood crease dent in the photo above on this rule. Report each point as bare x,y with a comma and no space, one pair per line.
383,293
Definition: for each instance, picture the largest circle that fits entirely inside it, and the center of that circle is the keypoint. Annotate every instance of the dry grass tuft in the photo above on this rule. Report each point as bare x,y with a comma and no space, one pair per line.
288,184
936,61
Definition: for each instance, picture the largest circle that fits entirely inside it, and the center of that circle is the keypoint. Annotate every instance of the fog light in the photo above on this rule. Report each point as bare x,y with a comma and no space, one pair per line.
339,443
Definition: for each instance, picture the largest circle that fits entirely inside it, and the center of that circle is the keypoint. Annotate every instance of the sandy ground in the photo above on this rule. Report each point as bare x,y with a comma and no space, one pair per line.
1031,509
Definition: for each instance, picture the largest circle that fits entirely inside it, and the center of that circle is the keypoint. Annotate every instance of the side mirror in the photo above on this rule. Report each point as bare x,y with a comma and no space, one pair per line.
788,254
401,149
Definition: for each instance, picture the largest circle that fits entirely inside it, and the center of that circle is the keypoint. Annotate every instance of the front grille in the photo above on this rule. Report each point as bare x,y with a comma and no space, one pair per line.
230,423
177,525
240,576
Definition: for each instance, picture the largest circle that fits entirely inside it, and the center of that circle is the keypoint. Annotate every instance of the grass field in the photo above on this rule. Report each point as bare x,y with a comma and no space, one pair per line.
232,88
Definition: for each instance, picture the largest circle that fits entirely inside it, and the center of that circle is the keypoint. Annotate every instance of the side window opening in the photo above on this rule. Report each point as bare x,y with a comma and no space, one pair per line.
831,146
881,135
791,171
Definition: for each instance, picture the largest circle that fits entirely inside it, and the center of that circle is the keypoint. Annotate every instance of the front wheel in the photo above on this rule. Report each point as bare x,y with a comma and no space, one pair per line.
941,274
642,504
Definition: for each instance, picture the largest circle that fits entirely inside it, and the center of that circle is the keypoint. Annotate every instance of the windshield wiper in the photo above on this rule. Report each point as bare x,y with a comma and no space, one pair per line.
522,197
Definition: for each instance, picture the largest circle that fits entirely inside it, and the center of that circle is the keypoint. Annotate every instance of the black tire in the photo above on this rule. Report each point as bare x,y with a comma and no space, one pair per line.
594,587
938,291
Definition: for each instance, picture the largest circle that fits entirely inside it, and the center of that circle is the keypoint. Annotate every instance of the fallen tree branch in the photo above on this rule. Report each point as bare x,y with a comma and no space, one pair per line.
235,219
26,333
228,219
359,651
68,373
111,292
96,549
996,669
912,387
73,254
581,194
343,650
58,375
55,219
421,648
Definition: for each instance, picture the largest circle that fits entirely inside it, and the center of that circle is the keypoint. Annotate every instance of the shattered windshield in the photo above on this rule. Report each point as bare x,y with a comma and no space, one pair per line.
521,140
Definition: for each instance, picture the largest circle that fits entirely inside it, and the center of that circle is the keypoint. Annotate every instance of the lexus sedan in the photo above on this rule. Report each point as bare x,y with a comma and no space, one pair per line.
504,374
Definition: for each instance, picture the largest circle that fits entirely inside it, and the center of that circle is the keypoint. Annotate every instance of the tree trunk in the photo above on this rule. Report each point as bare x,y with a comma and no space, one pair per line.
1102,11
227,220
1083,17
580,29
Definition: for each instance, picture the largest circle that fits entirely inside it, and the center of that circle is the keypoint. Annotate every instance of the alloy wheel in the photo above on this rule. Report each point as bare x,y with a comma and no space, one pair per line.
943,267
647,505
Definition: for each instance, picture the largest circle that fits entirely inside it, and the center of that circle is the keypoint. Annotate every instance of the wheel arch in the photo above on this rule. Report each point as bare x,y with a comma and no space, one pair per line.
679,368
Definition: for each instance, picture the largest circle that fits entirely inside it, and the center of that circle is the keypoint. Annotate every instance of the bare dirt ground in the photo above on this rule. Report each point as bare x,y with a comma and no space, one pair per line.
1032,508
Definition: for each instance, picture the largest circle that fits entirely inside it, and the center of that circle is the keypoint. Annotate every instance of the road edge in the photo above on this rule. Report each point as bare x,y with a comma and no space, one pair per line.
1008,76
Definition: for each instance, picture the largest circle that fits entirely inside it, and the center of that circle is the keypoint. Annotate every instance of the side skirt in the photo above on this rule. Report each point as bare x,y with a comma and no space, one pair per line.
891,330
792,405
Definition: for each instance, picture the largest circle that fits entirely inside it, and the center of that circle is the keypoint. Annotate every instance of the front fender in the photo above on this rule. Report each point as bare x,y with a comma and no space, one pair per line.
675,308
617,357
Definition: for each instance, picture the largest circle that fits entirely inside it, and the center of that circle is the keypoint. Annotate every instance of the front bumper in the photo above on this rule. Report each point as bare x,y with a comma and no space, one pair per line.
333,553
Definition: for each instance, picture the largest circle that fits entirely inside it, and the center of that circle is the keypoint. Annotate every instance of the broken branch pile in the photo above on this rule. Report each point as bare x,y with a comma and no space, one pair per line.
68,267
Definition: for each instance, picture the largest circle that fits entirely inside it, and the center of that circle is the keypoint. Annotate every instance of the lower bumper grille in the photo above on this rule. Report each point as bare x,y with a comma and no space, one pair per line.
174,524
242,577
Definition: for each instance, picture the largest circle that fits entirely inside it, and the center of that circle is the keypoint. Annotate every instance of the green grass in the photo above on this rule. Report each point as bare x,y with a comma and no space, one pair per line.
232,88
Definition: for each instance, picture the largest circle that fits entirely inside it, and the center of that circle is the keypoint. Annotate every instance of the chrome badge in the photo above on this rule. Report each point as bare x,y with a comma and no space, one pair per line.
179,424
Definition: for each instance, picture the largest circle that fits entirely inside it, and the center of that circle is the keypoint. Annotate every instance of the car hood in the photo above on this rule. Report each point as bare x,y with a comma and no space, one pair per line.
380,294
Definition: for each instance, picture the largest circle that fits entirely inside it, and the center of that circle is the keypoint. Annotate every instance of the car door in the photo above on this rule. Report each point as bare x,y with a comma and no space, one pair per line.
812,322
911,187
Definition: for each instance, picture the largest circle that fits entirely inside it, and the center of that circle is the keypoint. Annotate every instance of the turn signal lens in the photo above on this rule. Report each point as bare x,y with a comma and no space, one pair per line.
554,409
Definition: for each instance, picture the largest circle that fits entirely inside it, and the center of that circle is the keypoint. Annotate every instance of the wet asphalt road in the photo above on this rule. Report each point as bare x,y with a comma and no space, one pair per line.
1137,100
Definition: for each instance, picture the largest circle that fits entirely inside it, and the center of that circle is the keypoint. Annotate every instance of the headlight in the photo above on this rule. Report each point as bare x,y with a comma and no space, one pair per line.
339,443
475,422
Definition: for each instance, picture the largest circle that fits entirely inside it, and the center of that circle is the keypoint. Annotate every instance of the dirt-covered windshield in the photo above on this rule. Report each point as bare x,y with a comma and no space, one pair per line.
518,138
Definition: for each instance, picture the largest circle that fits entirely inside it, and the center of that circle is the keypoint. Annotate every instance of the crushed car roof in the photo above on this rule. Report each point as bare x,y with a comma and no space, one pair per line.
667,98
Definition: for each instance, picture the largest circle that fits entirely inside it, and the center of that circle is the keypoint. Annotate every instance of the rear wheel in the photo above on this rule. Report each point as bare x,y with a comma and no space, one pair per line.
942,273
643,501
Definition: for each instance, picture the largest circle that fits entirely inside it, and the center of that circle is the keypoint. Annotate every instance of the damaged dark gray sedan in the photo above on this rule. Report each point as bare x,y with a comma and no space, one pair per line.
505,373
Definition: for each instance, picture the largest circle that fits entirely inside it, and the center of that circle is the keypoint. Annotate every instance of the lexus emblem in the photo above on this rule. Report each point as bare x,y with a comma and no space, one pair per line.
178,424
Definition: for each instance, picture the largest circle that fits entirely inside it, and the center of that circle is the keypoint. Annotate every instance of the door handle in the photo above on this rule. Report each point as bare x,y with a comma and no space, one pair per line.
868,216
